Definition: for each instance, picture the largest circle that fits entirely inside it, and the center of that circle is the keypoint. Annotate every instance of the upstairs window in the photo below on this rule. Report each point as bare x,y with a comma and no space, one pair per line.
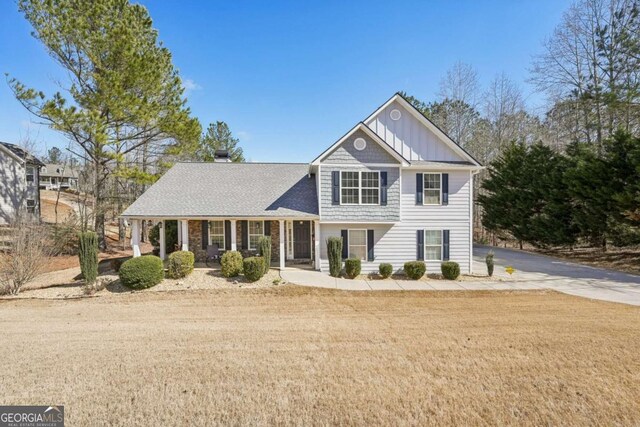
30,173
432,188
216,233
370,188
350,188
360,188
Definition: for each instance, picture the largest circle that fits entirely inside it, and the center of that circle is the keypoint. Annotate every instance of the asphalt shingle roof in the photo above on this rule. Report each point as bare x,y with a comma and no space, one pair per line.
22,153
230,190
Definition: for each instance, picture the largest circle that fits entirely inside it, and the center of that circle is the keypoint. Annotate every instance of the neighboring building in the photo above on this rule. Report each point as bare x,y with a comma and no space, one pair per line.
19,182
395,188
54,176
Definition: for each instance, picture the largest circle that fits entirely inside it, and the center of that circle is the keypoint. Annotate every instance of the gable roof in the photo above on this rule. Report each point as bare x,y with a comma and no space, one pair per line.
54,169
374,136
427,123
250,190
20,154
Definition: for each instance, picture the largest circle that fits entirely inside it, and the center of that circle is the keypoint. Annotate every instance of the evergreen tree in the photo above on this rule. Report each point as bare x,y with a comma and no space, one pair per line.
54,155
219,137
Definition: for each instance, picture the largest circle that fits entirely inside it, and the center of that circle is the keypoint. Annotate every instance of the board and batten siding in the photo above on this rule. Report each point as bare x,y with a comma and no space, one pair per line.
409,137
396,243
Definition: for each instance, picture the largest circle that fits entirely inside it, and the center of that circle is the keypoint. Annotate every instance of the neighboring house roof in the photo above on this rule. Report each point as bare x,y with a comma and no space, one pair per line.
19,153
54,169
428,123
374,136
250,190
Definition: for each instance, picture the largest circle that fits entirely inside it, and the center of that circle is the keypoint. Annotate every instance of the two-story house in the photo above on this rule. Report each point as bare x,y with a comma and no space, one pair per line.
19,178
54,176
395,188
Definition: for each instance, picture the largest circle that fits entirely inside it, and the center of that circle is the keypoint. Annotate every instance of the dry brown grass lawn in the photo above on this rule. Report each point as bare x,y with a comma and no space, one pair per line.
292,355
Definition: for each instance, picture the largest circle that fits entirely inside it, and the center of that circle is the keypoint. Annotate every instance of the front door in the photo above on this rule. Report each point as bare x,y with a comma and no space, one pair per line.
302,239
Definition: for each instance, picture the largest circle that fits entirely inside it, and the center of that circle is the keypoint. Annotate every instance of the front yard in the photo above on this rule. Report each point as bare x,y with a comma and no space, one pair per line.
293,355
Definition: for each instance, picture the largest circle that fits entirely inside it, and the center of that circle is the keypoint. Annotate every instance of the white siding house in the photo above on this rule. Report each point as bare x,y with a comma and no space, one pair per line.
19,175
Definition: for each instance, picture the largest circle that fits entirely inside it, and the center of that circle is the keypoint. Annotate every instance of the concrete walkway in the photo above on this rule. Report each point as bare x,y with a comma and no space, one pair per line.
532,272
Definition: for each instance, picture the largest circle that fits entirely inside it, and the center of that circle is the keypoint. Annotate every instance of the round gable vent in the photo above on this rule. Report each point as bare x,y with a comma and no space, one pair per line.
360,144
395,114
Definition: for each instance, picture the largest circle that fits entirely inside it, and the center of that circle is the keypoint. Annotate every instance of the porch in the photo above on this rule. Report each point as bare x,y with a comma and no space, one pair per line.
294,241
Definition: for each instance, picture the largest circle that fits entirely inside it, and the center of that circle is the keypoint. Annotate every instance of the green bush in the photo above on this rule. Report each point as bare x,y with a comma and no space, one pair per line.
352,267
489,261
231,264
450,270
264,246
180,264
142,272
415,269
334,251
253,268
88,255
385,270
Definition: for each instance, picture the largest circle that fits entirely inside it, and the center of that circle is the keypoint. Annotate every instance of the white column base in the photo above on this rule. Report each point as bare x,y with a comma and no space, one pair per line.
135,237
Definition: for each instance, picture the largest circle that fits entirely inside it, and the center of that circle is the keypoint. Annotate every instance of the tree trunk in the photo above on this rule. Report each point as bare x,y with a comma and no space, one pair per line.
98,206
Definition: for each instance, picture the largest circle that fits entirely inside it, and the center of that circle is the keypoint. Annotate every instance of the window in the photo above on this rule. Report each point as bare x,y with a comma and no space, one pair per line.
360,188
256,230
350,188
433,245
31,206
370,183
216,233
432,188
358,244
30,173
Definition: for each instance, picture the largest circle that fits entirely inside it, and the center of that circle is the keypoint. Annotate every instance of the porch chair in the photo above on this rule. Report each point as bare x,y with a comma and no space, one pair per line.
213,255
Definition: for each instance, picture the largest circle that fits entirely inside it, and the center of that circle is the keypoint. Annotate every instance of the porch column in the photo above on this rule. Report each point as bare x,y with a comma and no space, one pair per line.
163,249
234,246
282,254
184,226
135,237
179,233
316,245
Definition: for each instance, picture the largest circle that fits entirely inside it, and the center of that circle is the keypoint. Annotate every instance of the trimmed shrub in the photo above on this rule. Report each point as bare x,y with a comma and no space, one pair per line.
415,269
352,267
489,261
385,270
231,264
264,247
180,264
334,252
450,270
88,255
142,272
253,268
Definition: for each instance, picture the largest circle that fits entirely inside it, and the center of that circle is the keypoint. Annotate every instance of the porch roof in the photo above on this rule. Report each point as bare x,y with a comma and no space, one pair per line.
259,190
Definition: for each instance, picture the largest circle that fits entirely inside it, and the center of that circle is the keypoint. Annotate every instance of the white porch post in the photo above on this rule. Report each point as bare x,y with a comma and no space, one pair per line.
282,254
179,233
234,246
135,237
184,235
316,244
163,249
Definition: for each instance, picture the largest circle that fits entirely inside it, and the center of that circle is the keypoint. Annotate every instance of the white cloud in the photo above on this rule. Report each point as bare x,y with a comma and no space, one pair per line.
190,85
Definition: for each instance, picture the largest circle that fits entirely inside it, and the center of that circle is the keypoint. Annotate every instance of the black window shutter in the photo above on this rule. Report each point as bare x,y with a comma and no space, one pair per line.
445,245
370,255
227,235
420,244
205,234
445,188
383,188
267,228
244,229
335,187
419,187
345,243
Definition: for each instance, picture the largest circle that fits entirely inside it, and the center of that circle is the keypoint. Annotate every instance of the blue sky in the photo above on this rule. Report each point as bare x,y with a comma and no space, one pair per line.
290,78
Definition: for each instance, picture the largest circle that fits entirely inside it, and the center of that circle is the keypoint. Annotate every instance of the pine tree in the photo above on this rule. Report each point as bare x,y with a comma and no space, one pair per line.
219,137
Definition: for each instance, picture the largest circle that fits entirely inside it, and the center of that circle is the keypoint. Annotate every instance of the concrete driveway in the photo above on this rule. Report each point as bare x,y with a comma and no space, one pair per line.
561,275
